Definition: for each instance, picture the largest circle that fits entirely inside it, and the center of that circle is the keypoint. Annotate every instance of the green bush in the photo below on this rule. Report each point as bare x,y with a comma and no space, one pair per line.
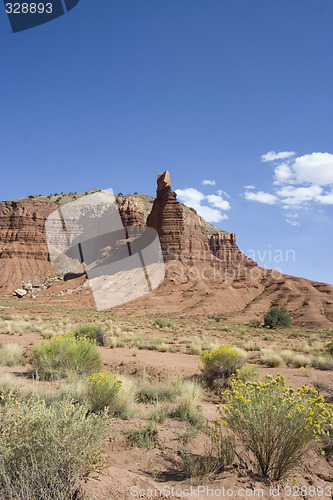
65,354
276,425
92,332
277,318
46,450
220,364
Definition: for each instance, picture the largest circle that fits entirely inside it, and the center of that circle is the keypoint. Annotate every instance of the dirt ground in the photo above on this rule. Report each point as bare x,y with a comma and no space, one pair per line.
155,472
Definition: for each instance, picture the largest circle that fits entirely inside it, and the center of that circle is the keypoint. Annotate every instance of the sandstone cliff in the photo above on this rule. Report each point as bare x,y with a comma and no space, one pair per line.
23,248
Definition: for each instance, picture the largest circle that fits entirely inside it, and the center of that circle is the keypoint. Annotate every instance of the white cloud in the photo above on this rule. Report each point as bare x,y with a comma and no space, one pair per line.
261,197
272,156
298,182
191,197
249,187
293,222
223,193
297,196
316,168
218,202
283,173
325,199
211,214
194,198
207,182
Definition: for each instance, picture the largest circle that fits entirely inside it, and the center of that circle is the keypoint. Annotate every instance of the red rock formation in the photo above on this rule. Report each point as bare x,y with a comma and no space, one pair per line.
23,247
132,211
223,246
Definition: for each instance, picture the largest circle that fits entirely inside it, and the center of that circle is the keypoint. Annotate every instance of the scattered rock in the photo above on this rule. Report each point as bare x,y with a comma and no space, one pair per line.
19,292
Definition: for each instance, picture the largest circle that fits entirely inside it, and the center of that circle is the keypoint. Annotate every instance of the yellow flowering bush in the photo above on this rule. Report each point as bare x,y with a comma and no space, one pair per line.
65,354
220,364
103,391
45,449
275,424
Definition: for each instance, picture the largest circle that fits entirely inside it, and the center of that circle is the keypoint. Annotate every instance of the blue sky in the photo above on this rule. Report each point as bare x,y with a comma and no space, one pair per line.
116,91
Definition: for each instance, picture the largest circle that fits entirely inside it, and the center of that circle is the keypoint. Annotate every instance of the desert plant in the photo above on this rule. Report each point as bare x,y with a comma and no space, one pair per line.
162,391
160,414
323,362
277,318
217,456
163,323
11,355
190,396
103,391
220,364
144,437
276,425
92,332
63,354
271,358
246,373
45,450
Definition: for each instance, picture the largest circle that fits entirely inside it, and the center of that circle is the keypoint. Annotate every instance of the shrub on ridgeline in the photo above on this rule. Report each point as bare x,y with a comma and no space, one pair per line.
65,354
46,449
277,318
220,364
275,424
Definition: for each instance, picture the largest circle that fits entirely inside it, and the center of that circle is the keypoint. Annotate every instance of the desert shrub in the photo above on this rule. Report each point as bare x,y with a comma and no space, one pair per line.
246,373
63,354
220,364
323,362
105,390
11,355
276,425
163,323
300,360
148,392
328,439
271,358
329,348
92,332
251,345
277,318
45,450
190,396
144,437
217,456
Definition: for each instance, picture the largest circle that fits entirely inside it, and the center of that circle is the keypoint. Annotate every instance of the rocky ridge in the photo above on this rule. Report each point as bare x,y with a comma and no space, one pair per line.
205,270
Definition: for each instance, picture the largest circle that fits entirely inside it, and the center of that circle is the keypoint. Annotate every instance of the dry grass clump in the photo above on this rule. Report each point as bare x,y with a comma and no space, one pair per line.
251,345
148,392
190,395
323,362
11,355
217,456
271,358
300,360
